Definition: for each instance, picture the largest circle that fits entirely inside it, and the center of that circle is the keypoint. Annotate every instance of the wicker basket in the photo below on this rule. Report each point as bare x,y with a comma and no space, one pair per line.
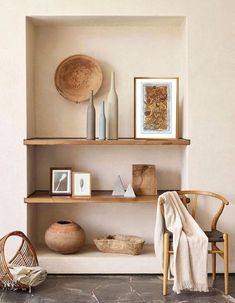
130,245
25,256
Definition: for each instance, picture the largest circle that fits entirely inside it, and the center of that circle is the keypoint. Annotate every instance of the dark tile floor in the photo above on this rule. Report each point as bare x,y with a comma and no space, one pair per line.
113,289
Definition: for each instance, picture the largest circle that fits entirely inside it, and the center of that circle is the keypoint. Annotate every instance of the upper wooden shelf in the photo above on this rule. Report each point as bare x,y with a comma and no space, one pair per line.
98,196
121,141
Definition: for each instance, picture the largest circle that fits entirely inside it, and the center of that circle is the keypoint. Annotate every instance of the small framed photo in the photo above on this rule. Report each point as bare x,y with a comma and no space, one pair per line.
61,181
81,184
156,108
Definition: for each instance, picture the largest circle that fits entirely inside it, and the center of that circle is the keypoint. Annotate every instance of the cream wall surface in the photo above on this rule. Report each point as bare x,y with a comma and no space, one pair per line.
209,93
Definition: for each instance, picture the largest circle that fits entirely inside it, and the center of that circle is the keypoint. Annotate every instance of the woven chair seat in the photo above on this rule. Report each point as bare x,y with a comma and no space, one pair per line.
213,236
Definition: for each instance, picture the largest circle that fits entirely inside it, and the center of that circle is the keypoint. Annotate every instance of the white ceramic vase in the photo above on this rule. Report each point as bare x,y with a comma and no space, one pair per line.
102,122
112,111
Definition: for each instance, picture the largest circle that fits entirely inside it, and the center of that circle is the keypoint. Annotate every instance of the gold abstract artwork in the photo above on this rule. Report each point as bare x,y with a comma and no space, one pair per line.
155,107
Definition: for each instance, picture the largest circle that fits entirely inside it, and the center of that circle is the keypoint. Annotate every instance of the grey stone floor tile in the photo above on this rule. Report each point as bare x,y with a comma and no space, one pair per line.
113,289
131,297
219,283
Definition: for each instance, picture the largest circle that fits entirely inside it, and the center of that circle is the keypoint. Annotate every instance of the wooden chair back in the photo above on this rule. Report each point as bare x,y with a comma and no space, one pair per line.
195,194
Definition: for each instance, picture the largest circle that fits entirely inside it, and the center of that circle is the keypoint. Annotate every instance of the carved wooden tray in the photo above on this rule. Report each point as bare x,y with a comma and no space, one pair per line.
76,76
131,245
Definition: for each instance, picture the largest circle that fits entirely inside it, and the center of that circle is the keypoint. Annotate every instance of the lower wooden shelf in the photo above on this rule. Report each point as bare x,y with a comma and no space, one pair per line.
91,261
101,196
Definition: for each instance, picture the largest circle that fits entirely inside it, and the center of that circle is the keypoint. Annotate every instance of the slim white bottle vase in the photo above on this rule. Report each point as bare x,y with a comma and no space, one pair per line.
112,111
102,122
90,127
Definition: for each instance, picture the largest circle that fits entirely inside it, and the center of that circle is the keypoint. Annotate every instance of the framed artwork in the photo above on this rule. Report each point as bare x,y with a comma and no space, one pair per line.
156,108
61,181
81,184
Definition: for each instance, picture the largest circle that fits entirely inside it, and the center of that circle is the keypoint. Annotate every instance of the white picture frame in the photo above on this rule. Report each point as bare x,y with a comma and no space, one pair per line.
148,115
81,184
61,184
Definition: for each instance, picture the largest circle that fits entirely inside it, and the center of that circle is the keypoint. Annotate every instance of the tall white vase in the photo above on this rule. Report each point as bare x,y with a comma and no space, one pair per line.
112,111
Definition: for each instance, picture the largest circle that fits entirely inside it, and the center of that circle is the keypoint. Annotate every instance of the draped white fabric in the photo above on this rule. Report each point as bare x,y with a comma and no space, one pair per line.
31,276
190,244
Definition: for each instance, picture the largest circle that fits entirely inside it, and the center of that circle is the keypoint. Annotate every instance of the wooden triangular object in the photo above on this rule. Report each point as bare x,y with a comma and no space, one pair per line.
129,192
118,189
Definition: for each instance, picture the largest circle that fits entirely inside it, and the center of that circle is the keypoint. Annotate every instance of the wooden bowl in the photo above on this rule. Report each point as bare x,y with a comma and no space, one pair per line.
76,76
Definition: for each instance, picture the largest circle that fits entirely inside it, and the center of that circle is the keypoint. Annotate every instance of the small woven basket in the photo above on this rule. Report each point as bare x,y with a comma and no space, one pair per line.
130,245
25,256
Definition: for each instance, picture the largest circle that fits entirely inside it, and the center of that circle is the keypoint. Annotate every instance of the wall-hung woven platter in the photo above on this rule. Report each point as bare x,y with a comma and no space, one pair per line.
76,76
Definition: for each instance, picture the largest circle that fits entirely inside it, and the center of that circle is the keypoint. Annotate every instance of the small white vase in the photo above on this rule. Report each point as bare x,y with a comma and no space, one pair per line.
112,111
102,122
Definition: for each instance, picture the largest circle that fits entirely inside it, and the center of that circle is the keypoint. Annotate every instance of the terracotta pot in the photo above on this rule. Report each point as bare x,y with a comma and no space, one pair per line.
65,237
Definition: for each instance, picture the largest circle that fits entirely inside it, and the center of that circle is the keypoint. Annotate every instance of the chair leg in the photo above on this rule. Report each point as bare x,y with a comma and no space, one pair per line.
213,263
165,262
226,261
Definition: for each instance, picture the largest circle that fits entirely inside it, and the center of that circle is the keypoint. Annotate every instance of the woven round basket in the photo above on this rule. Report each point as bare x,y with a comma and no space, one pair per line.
76,76
25,256
131,245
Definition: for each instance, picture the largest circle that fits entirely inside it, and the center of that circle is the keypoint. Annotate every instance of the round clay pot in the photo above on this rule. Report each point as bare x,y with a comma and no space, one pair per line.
65,237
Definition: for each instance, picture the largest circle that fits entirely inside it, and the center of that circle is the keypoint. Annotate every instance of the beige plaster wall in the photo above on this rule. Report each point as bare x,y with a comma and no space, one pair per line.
209,161
129,47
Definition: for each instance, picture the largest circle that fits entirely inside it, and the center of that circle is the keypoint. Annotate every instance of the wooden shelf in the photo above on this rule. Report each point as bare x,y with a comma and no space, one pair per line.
98,196
91,261
121,141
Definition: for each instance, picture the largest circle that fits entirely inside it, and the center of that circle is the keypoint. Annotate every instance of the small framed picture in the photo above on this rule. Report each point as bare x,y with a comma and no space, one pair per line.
156,108
61,181
81,184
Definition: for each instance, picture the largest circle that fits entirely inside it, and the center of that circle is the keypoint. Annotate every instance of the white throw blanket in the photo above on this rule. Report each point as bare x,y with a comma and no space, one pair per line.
31,276
190,244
